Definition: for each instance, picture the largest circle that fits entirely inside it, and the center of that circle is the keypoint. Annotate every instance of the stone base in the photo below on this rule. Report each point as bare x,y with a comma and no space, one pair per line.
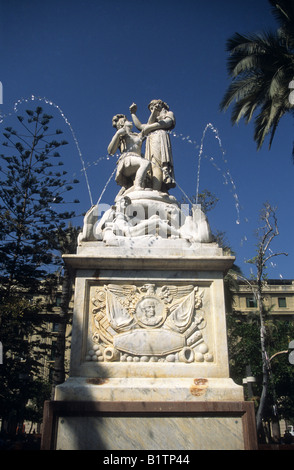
183,426
139,413
149,389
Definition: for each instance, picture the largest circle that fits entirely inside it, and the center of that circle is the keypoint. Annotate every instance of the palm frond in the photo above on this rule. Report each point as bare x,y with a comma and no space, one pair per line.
276,121
240,65
283,11
261,67
244,44
267,121
238,90
244,109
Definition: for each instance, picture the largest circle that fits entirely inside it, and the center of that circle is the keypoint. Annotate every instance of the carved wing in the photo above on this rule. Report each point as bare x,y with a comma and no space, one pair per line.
120,291
178,292
183,291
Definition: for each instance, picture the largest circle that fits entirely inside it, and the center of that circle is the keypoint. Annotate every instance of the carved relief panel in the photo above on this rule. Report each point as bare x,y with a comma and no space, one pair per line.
148,322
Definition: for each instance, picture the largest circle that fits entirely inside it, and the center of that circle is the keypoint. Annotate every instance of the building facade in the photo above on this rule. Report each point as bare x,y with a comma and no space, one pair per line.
278,298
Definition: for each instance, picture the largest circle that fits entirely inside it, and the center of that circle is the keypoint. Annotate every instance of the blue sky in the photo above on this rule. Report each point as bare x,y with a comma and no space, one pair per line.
92,58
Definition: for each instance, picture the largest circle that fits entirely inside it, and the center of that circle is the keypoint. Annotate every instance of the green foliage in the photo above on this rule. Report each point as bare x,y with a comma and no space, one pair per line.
261,67
243,344
282,371
32,225
18,322
244,349
31,193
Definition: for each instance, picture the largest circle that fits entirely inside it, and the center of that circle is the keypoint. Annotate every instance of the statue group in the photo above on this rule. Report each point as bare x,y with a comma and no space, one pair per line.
155,170
143,207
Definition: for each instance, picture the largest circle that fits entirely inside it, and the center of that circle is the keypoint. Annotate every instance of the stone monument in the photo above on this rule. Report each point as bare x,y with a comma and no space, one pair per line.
149,362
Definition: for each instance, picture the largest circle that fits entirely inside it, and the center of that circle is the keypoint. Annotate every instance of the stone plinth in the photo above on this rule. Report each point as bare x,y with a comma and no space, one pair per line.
149,329
150,315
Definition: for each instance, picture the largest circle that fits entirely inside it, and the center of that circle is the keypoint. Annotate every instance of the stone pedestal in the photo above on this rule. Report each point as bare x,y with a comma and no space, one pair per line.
152,426
149,361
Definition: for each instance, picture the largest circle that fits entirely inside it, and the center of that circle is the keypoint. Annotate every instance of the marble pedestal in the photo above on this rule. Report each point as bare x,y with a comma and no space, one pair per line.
149,361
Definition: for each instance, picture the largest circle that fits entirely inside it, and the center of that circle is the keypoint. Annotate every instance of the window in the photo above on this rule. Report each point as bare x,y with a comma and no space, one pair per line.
251,302
53,350
282,302
55,327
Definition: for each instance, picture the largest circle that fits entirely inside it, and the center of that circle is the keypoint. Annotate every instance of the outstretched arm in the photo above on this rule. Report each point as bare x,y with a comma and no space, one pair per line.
136,121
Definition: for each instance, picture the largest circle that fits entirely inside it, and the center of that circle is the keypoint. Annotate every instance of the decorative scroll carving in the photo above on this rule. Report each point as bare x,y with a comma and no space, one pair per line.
148,323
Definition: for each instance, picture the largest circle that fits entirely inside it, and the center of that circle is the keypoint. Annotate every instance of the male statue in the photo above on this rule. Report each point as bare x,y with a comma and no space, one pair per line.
132,168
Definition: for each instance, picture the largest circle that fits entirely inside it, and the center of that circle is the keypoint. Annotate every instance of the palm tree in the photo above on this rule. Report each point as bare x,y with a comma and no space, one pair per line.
262,68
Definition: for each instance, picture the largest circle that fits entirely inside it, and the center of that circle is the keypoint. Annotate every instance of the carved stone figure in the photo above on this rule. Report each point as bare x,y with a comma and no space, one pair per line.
130,219
116,222
196,227
141,210
90,220
131,166
158,146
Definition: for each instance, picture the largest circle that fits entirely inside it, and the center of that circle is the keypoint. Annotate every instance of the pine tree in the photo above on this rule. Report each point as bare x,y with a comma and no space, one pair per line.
32,191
